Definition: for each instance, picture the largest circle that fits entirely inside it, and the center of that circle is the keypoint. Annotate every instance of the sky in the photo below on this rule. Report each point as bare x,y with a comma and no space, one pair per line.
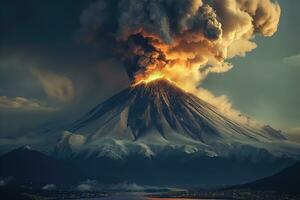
265,83
49,77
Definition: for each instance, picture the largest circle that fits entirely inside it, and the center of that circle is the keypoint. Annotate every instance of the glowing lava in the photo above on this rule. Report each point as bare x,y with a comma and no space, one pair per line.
175,73
149,78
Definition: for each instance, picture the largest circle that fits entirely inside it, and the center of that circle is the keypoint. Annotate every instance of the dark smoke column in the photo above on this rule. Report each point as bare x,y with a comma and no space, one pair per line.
151,35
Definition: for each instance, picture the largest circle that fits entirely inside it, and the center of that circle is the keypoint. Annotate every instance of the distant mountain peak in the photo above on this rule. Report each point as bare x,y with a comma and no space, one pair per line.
26,147
286,181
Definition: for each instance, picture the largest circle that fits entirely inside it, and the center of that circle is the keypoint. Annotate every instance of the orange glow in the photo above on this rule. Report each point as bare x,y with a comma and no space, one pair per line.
145,79
183,61
178,74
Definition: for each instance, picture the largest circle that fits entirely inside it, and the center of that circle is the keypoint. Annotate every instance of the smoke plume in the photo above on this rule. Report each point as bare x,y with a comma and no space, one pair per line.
176,38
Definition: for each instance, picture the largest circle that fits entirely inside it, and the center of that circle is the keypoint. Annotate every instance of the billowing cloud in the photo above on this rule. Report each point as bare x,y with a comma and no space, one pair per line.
56,86
23,103
292,60
175,38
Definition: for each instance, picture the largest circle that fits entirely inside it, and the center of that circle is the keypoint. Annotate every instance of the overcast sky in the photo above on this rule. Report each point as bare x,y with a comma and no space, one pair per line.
47,76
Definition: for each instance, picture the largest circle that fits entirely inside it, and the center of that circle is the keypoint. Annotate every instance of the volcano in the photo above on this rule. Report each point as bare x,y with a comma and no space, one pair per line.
151,117
158,128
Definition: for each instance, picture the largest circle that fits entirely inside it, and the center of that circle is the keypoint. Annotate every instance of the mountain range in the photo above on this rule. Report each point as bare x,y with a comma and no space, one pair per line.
28,166
285,181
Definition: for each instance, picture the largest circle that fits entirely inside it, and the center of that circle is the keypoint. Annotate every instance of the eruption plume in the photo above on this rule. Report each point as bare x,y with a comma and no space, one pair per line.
179,40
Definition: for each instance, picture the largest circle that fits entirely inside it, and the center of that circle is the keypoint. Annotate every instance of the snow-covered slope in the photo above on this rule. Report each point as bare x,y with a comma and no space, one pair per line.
160,118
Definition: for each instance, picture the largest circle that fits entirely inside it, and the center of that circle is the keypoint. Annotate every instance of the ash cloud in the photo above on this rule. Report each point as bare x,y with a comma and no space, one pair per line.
56,86
175,36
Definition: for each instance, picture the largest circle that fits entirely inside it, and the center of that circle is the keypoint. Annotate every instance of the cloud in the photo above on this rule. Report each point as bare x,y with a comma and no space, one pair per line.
174,37
84,187
23,103
5,181
72,140
88,185
94,185
129,187
294,134
2,182
295,130
292,60
49,187
56,86
223,104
